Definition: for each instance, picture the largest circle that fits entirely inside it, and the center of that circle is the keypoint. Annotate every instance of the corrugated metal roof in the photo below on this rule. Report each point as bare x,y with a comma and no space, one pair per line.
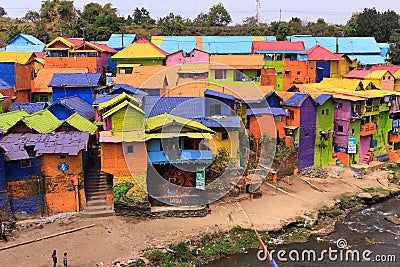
30,108
32,44
117,99
164,120
121,106
76,104
368,59
347,45
142,49
172,44
119,41
186,107
278,112
227,44
258,111
75,79
126,88
321,53
101,98
70,143
43,78
4,85
271,47
9,119
43,121
397,74
322,98
222,121
81,124
17,57
392,69
209,92
296,100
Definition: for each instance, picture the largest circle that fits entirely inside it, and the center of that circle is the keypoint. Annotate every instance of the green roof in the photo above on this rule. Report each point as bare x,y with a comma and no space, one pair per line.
165,119
121,106
9,119
80,123
119,99
42,122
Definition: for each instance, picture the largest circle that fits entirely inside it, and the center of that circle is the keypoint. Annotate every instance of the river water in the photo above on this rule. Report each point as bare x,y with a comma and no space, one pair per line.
367,238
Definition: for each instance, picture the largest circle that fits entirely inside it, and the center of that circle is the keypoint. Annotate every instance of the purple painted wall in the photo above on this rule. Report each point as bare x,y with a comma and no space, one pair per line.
308,120
365,142
178,58
342,118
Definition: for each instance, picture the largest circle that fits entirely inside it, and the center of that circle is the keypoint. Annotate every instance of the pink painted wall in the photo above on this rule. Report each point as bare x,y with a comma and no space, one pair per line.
107,124
364,145
342,118
98,117
178,58
102,61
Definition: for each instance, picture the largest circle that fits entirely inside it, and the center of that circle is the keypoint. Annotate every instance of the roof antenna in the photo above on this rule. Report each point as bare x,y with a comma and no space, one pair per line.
258,6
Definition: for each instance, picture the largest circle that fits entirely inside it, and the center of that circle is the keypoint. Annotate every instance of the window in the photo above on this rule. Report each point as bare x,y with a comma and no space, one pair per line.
215,109
129,149
26,164
298,73
306,134
323,112
352,131
238,76
43,98
327,112
291,114
287,72
339,105
340,128
220,75
278,118
389,77
63,156
225,136
383,78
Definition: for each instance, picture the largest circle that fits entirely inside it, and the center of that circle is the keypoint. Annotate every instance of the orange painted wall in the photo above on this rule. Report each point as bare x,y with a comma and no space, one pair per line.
8,101
343,158
394,156
24,77
262,124
70,62
268,77
280,127
115,162
60,189
296,118
300,72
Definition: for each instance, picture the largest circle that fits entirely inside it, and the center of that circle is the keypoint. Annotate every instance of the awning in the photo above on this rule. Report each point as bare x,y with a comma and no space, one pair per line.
122,65
290,127
172,135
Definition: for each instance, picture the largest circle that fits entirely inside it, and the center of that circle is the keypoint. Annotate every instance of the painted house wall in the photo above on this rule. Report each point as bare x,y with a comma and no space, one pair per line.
305,156
142,62
355,127
384,126
323,70
260,125
59,186
226,109
26,197
365,142
3,183
387,82
179,58
278,66
90,63
325,123
7,73
231,144
268,77
85,93
300,72
42,97
342,118
14,171
23,78
230,78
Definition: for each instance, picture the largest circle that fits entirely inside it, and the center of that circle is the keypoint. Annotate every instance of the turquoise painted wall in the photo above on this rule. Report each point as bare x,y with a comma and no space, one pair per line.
278,66
325,122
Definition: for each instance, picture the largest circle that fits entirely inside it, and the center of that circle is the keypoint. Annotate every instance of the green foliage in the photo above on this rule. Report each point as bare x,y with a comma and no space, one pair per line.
171,24
219,164
142,17
120,193
218,16
394,49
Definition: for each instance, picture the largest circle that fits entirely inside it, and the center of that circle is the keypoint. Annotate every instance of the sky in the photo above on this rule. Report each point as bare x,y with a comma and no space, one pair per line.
337,11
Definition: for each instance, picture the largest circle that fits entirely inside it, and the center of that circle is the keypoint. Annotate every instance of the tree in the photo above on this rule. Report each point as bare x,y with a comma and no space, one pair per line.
2,12
171,24
56,10
389,22
142,16
201,19
91,11
394,48
218,16
368,22
32,16
250,22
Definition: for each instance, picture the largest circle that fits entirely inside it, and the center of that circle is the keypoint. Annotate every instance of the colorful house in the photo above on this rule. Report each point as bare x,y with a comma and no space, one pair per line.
28,107
75,84
63,108
236,70
328,64
76,53
195,56
382,79
324,130
142,53
280,115
301,127
41,91
119,41
25,43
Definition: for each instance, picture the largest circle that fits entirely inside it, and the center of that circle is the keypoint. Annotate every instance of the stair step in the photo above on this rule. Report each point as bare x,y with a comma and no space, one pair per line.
94,198
96,193
98,208
97,214
96,202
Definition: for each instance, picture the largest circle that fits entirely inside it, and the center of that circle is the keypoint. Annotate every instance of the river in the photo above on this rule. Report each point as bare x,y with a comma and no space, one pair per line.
365,234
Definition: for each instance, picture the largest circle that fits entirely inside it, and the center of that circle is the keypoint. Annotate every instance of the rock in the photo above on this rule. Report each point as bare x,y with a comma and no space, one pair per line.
365,195
393,219
314,172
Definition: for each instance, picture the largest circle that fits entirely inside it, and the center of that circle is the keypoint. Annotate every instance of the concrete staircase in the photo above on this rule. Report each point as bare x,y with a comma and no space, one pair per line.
96,190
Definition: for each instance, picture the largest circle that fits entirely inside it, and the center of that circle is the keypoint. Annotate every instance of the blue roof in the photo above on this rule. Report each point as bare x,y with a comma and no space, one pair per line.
115,40
75,79
185,107
127,89
278,112
296,100
28,43
75,104
258,111
172,44
347,45
209,92
225,122
101,98
368,59
29,108
384,49
321,99
4,85
230,44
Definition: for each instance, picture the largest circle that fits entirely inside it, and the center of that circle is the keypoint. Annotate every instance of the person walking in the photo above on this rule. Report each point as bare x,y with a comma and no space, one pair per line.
65,260
54,258
3,232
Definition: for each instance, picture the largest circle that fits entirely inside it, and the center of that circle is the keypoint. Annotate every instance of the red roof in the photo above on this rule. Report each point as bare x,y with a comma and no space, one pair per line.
105,47
357,74
391,69
145,41
320,53
74,41
40,54
278,45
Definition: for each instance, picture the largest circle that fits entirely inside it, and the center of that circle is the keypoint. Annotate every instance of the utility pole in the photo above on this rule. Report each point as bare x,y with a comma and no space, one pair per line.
280,15
258,6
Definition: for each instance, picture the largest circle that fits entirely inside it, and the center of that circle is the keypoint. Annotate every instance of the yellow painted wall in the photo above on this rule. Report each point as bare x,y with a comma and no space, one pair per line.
231,144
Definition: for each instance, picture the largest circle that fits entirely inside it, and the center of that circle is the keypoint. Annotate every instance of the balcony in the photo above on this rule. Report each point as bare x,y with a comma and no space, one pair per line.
368,129
180,157
395,138
372,109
